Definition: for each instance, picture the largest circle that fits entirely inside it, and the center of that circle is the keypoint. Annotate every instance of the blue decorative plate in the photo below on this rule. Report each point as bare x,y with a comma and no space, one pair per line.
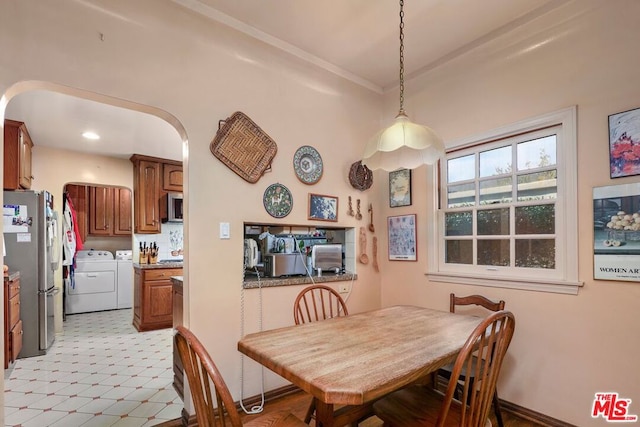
277,200
308,164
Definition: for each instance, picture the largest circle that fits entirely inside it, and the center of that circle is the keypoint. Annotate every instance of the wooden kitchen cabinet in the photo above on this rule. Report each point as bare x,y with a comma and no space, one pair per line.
109,211
122,211
17,156
172,177
146,195
12,322
100,211
153,298
153,178
178,369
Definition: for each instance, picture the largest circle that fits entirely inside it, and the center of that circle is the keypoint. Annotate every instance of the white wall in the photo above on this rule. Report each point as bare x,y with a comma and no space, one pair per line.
565,348
155,53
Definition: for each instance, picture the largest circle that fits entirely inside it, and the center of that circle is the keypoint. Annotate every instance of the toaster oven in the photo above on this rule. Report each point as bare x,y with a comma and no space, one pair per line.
281,264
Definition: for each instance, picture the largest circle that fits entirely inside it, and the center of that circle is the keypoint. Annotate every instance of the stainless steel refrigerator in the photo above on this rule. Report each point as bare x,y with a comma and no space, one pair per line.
30,235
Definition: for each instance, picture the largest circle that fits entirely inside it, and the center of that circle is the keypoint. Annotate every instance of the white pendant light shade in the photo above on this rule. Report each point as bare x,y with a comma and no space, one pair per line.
403,145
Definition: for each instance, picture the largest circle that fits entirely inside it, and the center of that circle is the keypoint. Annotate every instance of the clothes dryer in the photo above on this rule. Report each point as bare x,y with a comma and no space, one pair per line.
124,260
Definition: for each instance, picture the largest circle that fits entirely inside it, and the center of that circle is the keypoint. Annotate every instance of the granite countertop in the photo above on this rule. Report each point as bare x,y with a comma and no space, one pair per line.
12,275
177,280
176,264
251,282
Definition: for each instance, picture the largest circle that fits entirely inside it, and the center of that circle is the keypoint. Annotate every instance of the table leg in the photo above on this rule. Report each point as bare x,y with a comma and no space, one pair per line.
324,414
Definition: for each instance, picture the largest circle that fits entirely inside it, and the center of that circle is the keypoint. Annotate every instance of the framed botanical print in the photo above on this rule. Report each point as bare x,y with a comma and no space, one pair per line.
403,242
400,188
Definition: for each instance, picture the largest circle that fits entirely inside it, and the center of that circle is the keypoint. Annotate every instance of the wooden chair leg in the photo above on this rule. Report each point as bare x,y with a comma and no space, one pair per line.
496,407
310,411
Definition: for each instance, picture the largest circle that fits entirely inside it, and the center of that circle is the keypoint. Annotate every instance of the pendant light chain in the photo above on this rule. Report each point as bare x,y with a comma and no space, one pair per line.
401,56
403,145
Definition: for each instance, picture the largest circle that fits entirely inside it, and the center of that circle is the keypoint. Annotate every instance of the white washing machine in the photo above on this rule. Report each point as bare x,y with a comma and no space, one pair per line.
94,286
124,260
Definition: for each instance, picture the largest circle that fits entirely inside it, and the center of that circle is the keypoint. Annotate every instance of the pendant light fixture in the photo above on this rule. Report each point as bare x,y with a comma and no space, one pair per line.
403,145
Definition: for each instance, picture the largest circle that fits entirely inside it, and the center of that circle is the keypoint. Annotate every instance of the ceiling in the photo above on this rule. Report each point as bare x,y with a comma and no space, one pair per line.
356,39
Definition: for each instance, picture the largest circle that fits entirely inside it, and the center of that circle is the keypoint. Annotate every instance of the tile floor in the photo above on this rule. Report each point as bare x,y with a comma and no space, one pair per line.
99,372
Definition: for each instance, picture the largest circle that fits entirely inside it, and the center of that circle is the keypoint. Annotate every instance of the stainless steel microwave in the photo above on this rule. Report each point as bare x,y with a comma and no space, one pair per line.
174,207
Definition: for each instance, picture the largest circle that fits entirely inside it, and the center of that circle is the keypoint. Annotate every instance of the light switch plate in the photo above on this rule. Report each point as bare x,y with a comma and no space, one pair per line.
225,232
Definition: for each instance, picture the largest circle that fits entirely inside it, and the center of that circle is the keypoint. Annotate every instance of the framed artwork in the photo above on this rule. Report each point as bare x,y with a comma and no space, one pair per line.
624,143
323,208
616,232
400,188
403,243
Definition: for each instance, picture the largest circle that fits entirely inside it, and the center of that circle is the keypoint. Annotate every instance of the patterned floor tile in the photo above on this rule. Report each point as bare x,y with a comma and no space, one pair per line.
99,372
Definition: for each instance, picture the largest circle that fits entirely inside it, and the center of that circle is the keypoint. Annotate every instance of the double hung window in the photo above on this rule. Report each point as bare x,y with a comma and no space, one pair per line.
507,208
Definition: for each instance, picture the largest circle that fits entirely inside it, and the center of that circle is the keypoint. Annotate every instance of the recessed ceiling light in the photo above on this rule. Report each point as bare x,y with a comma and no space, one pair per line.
91,135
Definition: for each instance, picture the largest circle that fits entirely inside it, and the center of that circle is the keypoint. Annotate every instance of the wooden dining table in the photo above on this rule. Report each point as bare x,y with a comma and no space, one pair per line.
353,360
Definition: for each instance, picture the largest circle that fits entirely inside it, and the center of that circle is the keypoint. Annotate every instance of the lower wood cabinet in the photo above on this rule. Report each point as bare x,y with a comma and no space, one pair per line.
178,369
12,323
153,298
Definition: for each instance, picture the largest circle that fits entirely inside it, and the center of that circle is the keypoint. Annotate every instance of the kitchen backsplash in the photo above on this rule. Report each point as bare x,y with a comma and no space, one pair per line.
170,242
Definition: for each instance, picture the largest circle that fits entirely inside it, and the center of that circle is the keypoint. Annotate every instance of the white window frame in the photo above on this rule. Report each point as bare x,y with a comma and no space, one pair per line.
561,280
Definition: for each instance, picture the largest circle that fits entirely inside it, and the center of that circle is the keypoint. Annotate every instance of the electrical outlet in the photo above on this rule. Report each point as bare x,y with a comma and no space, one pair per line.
343,288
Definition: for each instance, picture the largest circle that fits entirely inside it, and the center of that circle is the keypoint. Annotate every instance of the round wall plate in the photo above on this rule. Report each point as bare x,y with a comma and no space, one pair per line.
308,164
277,200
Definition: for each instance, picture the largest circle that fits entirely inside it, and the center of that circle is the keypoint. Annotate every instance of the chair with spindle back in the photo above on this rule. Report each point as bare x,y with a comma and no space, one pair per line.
314,303
202,375
481,358
318,302
479,301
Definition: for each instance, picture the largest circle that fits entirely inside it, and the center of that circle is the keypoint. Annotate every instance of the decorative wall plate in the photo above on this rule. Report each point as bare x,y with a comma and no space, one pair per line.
277,200
308,164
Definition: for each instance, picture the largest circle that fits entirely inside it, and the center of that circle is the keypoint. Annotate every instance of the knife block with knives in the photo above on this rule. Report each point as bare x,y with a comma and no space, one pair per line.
148,255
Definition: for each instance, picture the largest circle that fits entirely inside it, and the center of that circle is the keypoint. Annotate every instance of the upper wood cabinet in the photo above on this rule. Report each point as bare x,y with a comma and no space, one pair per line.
146,195
100,211
153,178
17,156
172,177
109,211
122,212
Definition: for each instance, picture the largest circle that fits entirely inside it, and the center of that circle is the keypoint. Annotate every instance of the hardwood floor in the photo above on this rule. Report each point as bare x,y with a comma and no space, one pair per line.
299,402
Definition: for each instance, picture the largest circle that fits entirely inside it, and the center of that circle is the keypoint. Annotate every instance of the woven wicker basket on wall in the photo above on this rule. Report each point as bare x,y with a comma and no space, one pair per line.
243,147
360,176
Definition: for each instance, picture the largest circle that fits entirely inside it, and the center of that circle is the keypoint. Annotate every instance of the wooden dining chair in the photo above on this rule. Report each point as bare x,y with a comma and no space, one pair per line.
482,356
486,304
314,303
202,375
318,302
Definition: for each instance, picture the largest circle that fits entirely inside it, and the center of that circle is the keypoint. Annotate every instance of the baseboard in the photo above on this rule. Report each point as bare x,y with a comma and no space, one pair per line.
270,395
190,421
531,415
520,411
